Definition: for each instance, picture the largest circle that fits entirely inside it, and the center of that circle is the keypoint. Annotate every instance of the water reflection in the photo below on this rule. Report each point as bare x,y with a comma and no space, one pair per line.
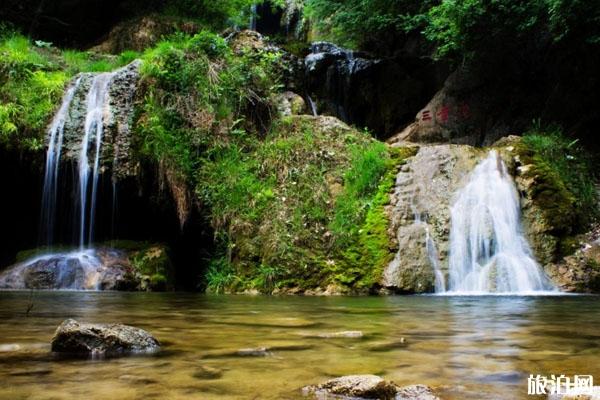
466,347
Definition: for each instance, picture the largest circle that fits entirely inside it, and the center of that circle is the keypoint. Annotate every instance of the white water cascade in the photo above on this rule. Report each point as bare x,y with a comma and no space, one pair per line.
488,251
55,142
97,111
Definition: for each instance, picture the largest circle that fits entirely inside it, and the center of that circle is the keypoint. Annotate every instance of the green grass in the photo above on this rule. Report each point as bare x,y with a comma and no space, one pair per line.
565,159
32,80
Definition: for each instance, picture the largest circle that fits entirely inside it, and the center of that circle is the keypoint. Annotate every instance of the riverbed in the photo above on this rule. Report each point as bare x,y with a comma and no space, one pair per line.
245,347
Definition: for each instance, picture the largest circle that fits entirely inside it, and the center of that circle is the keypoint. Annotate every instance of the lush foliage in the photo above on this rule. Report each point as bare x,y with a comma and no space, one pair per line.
567,160
32,80
461,29
368,23
288,208
197,91
214,14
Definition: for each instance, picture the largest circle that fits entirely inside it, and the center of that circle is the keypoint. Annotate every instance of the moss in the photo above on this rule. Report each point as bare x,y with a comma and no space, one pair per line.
372,252
549,192
153,265
287,207
33,76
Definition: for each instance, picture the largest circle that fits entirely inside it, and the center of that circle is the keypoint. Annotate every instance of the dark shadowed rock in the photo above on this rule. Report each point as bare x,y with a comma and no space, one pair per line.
72,337
367,387
382,94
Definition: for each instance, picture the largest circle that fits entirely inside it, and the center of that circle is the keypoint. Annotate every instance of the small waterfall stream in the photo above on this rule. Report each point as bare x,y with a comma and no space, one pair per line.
488,250
83,268
97,111
55,142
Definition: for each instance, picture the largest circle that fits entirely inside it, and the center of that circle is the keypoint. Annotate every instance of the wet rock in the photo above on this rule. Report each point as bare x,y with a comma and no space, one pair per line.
72,337
419,214
354,386
289,103
367,387
118,117
84,270
254,352
579,272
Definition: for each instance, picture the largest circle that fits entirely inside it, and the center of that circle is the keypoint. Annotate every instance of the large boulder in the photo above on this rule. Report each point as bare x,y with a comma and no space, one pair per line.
119,265
367,387
72,337
103,269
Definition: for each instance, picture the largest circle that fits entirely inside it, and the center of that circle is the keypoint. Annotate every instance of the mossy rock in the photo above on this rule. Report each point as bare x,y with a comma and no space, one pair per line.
153,265
548,207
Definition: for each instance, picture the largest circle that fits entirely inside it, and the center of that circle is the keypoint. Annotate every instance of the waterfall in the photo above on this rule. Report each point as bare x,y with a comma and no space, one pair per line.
252,24
313,106
55,142
488,251
97,110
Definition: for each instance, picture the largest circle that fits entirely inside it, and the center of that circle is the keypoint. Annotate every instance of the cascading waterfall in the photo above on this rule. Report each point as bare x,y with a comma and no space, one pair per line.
488,251
97,111
252,23
78,132
55,142
313,106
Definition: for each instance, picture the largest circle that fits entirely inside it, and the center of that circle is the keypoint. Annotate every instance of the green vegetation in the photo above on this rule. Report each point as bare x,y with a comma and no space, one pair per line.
368,24
569,168
32,80
461,29
152,263
283,207
212,14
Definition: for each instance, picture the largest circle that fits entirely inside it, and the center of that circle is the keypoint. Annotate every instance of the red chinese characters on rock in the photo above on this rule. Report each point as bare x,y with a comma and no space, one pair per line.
460,112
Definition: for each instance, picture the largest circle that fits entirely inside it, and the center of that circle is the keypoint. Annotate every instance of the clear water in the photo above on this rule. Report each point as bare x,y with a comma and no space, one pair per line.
465,347
488,250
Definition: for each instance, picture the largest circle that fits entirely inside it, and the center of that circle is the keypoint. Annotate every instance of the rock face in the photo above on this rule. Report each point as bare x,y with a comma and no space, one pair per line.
73,337
289,103
462,112
142,33
579,272
367,387
118,116
381,94
419,213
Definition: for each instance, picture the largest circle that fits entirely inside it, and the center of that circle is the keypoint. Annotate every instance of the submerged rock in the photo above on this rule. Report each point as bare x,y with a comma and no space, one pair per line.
72,337
367,387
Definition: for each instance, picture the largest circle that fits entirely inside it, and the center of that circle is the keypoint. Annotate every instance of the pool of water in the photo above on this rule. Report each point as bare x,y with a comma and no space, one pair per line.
464,347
